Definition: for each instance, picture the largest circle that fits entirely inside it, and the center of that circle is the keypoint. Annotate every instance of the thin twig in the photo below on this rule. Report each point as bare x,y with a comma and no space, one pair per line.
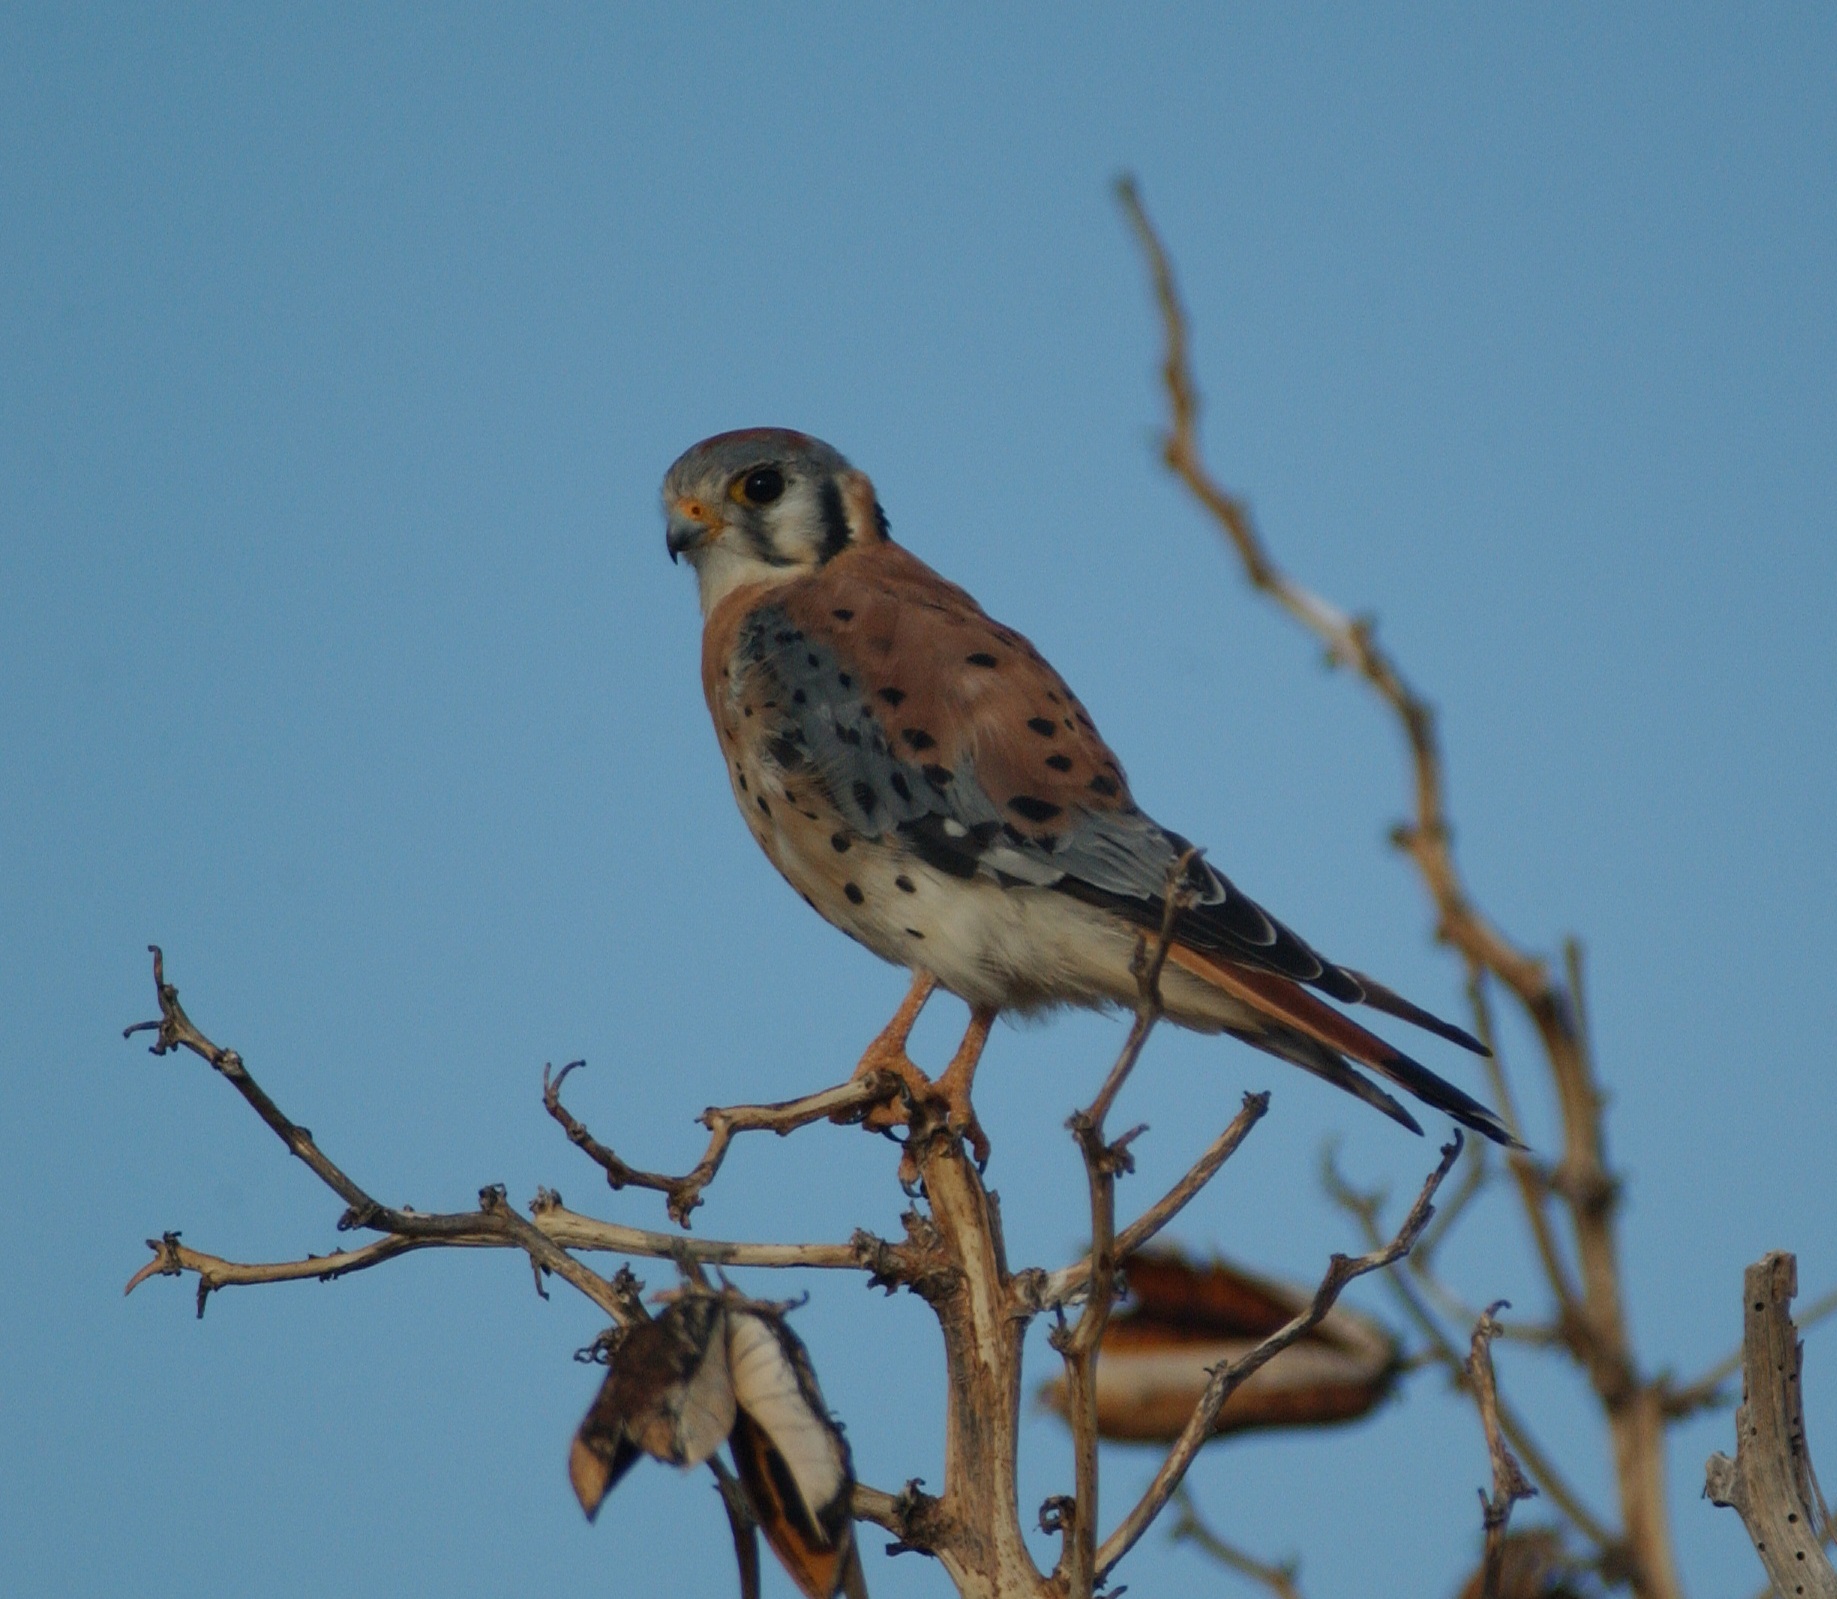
1037,1292
1226,1379
1103,1161
1440,1350
682,1194
495,1216
1509,1485
1190,1527
564,1227
1593,1319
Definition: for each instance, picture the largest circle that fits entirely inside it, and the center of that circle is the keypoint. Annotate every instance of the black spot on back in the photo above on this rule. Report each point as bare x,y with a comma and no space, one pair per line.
843,615
1105,786
981,658
892,695
839,842
897,782
937,776
1035,810
855,896
904,884
1042,725
917,738
1059,763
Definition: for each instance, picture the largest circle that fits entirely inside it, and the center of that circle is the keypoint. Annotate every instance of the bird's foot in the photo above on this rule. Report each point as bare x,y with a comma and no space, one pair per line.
889,1056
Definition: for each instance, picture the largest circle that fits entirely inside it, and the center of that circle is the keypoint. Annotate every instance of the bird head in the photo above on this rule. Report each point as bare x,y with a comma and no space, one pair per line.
764,505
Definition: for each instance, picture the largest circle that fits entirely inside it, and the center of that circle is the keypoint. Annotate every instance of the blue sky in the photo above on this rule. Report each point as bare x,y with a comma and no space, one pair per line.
343,351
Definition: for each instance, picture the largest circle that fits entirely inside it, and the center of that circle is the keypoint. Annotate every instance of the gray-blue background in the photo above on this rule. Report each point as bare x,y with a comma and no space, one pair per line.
340,354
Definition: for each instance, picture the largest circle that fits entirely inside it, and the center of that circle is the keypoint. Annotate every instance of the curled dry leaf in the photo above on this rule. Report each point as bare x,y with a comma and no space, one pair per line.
1185,1317
667,1394
790,1455
714,1369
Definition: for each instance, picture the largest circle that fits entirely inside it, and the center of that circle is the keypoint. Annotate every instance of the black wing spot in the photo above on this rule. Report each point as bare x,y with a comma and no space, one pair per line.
855,896
798,697
1043,726
740,777
897,782
1059,763
1047,841
1035,810
845,680
762,804
839,842
981,658
813,660
849,735
787,749
892,695
842,615
917,738
905,885
937,776
914,932
788,636
1105,786
866,798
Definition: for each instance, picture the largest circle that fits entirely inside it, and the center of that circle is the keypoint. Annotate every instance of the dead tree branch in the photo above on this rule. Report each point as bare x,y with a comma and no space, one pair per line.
846,1101
1226,1379
1103,1162
1190,1527
1769,1483
1509,1485
1591,1315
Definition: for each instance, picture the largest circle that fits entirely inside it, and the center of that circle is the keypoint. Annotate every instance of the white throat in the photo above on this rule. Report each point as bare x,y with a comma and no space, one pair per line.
722,567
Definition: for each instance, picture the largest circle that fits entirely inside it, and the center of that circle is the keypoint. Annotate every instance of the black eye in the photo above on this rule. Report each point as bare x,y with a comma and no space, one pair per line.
763,485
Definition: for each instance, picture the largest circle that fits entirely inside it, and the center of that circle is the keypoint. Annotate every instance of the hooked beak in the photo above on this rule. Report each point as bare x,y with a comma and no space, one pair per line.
689,528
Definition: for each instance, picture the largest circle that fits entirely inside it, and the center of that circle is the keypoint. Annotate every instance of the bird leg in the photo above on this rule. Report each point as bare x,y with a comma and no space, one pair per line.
958,1078
888,1054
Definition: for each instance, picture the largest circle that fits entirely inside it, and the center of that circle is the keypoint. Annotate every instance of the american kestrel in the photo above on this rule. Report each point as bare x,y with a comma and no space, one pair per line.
930,785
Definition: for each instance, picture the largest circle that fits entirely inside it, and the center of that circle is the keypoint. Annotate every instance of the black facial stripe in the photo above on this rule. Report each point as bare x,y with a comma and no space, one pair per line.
760,544
835,521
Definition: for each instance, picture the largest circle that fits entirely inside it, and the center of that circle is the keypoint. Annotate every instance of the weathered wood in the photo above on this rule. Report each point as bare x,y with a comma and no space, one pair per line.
1769,1482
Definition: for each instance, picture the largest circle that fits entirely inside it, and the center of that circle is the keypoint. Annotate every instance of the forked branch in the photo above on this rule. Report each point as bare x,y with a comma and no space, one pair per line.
1227,1379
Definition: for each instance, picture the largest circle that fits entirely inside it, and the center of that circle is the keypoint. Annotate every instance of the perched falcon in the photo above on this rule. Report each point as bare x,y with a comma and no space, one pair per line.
931,786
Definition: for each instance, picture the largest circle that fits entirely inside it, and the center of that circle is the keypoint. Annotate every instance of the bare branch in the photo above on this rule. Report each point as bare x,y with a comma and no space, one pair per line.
1046,1292
1364,1209
495,1217
1226,1379
1594,1318
1705,1392
1103,1161
1769,1483
1509,1485
1190,1527
851,1099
